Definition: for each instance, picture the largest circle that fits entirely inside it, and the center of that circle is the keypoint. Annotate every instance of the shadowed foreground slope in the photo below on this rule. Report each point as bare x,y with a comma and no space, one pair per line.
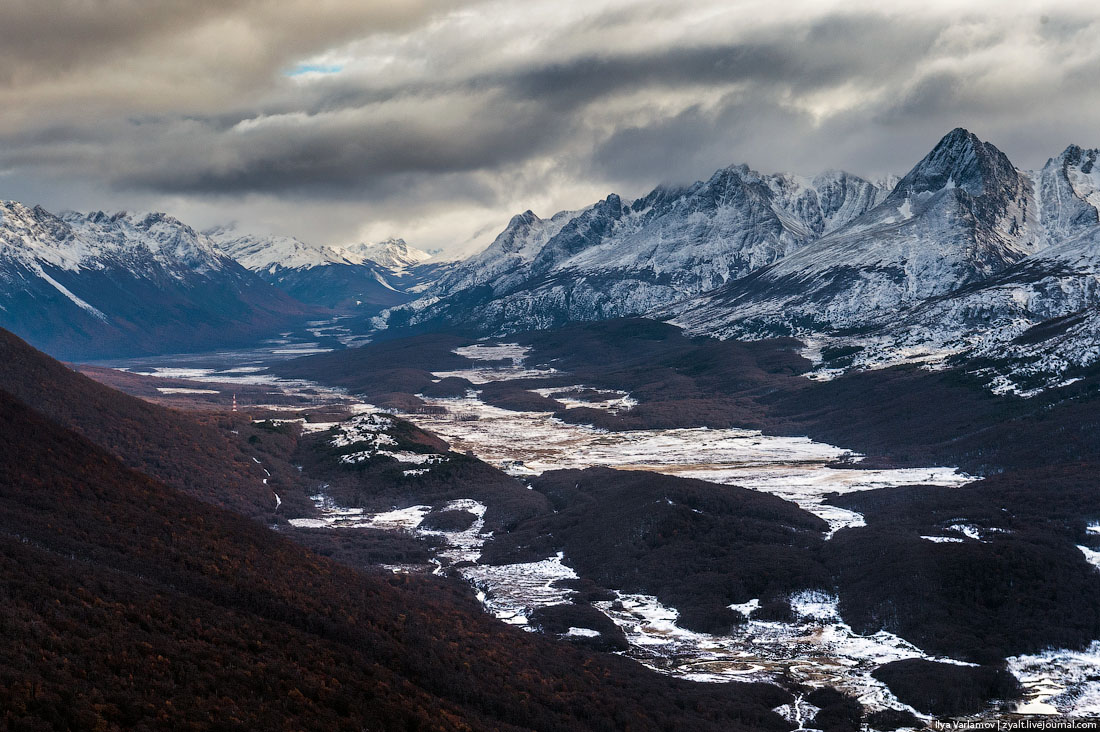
126,604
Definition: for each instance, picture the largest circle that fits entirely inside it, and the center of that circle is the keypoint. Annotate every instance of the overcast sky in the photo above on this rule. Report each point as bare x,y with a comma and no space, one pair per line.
344,120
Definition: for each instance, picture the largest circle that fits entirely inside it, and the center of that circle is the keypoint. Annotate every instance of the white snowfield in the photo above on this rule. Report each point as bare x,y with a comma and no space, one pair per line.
767,651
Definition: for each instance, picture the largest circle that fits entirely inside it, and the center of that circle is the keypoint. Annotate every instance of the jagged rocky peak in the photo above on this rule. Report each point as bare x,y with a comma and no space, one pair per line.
521,239
583,232
1069,188
18,216
158,235
518,223
972,181
960,160
825,202
1080,158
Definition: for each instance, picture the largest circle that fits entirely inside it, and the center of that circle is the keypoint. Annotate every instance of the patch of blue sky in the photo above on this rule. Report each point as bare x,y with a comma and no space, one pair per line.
302,69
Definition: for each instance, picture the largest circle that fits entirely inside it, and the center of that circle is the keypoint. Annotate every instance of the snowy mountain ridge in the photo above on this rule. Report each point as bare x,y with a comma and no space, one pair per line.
275,252
960,256
73,241
88,285
348,277
617,258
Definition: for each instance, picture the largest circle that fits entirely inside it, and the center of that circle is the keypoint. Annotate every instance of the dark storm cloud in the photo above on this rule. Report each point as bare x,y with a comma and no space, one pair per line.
431,115
339,144
345,156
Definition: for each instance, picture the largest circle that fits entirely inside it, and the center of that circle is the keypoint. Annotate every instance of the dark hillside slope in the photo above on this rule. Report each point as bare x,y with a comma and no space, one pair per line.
126,604
173,447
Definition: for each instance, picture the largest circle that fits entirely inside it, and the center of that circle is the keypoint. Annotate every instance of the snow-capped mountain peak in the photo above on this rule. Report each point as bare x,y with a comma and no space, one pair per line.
960,160
273,253
393,253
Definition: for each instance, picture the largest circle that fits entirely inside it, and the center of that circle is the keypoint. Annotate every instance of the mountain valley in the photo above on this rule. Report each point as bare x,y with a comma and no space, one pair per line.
760,452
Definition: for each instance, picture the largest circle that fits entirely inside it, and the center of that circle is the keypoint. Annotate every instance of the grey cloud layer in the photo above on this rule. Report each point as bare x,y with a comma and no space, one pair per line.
448,116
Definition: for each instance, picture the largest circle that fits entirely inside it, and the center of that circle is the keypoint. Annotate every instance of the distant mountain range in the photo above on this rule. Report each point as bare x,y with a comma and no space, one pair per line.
85,286
360,276
964,256
88,285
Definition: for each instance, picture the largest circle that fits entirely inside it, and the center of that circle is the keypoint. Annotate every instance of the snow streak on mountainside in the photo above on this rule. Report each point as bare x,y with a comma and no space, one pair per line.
381,275
86,285
616,258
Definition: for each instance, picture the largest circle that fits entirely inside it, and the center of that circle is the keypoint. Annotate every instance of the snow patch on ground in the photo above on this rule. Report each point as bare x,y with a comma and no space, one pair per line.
617,401
183,390
513,352
512,591
818,649
746,608
1060,682
332,516
401,456
944,539
465,545
368,428
1091,556
795,468
582,632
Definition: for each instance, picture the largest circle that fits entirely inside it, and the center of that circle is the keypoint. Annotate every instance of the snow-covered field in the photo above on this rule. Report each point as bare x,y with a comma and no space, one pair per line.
1060,682
529,443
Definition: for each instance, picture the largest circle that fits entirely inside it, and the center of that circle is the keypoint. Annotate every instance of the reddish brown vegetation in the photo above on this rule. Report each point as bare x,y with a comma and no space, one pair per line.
128,604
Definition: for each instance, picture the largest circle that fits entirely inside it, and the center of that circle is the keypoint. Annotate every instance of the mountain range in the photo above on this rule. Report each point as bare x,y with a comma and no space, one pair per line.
367,277
86,286
966,256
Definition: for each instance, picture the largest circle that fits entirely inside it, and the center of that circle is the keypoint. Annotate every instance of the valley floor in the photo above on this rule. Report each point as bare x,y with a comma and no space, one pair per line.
808,646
